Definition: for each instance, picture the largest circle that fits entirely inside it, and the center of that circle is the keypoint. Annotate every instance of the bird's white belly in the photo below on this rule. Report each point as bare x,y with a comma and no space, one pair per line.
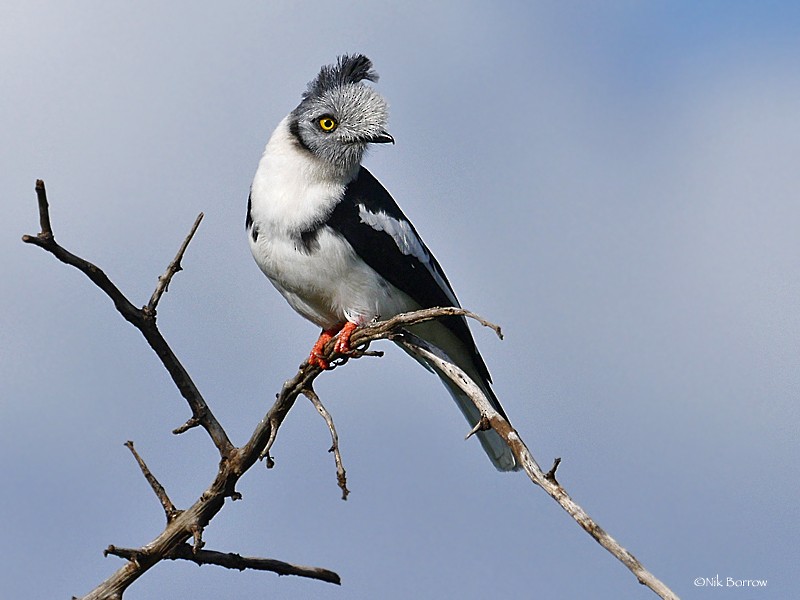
327,283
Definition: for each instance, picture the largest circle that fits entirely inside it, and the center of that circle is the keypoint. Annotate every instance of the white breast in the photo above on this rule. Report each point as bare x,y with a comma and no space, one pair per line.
291,189
324,280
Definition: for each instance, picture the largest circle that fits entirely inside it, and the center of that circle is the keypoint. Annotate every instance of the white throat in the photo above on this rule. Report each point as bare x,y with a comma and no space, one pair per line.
293,190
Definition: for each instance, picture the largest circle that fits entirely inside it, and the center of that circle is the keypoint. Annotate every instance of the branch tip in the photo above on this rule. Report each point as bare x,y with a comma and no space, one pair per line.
44,210
190,424
172,268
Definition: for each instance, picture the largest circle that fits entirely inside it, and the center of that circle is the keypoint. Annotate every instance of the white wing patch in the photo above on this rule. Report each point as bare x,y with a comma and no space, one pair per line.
400,232
406,241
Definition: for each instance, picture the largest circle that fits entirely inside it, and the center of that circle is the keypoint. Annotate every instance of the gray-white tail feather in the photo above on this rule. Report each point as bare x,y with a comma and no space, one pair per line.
439,337
494,446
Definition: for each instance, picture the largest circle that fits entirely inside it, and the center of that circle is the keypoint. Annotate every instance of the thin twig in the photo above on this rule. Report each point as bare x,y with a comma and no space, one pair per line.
341,475
230,560
191,423
174,267
169,508
394,324
44,210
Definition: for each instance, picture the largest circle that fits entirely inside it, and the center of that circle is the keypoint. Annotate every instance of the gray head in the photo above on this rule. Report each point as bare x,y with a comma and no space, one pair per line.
339,115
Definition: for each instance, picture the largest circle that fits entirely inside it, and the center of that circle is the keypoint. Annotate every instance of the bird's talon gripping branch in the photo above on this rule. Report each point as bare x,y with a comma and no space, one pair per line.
316,356
316,360
343,343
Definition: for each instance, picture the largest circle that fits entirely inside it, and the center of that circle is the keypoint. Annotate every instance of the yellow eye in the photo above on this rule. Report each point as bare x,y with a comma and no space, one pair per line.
327,124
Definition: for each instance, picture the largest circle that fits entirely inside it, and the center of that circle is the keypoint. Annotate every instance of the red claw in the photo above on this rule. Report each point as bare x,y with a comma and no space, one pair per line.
342,344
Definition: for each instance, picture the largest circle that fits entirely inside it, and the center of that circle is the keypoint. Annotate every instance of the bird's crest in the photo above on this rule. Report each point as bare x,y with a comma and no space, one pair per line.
349,69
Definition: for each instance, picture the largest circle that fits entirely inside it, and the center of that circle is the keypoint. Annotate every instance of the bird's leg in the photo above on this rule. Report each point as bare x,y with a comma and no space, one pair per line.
343,343
316,352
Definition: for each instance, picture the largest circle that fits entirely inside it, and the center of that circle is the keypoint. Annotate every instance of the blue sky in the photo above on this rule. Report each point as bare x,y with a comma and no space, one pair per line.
615,184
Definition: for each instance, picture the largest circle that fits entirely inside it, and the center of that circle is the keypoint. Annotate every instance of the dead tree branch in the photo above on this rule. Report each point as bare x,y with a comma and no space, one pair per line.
546,481
189,523
169,508
234,462
142,319
341,475
230,560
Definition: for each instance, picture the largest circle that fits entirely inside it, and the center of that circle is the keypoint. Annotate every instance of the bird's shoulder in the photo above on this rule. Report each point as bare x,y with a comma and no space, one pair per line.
374,225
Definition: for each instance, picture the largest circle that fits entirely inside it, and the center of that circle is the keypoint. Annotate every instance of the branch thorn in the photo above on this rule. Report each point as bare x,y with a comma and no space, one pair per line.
551,474
483,424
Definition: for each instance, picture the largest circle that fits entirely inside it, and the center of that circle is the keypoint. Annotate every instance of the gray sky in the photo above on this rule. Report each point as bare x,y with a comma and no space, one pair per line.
617,186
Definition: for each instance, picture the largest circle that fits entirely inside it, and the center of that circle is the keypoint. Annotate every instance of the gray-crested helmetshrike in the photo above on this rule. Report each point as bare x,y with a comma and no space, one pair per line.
335,244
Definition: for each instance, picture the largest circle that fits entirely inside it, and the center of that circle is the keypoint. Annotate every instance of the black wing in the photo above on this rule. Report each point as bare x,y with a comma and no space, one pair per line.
379,232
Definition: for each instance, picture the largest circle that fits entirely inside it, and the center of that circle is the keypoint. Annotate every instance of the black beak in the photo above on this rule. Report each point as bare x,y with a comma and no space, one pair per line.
381,138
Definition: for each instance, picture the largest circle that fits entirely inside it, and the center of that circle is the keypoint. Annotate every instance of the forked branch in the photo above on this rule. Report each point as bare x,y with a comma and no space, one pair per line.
182,525
189,523
142,319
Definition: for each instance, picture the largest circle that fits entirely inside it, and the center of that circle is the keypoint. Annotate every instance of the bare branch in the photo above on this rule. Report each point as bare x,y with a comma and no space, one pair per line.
549,484
394,329
169,508
341,475
174,267
235,561
171,543
139,318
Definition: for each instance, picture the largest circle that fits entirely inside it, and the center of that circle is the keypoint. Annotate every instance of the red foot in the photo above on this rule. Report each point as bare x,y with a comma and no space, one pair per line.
315,358
342,344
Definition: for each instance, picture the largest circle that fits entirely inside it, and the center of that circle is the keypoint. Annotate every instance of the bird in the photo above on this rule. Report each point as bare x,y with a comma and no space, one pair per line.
336,245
